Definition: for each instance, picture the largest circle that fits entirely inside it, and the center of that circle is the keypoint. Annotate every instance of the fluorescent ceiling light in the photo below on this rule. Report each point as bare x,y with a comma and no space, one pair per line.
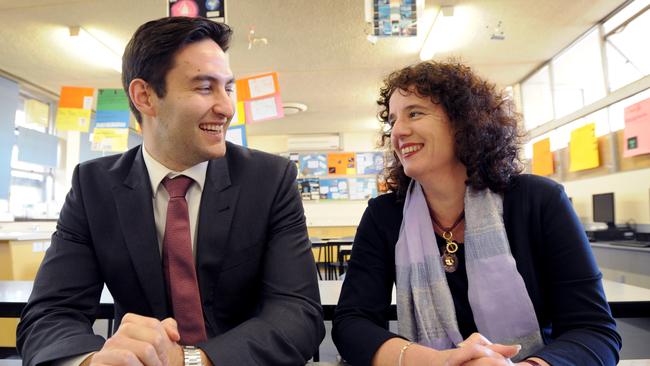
440,33
95,50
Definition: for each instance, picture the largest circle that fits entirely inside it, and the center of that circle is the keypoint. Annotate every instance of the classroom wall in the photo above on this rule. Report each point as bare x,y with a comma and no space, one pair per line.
631,194
326,213
631,188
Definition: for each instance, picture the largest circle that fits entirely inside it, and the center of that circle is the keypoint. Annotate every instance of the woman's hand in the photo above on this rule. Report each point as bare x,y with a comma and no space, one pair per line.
478,350
475,349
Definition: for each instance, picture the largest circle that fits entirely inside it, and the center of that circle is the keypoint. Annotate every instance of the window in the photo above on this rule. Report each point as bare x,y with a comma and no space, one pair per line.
31,192
617,110
536,98
578,75
628,59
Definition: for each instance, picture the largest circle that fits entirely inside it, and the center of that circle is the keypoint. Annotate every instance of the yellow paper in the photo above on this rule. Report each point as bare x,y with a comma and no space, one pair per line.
110,139
240,115
542,157
583,151
73,119
37,112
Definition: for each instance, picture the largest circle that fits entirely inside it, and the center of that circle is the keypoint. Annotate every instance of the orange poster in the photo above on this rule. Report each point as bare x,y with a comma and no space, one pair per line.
341,163
75,97
542,157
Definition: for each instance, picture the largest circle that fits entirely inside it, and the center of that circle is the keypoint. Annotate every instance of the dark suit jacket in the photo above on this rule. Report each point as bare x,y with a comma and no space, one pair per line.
553,257
255,268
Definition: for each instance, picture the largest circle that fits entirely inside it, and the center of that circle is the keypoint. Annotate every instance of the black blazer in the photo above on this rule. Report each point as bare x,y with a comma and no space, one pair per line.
553,257
255,268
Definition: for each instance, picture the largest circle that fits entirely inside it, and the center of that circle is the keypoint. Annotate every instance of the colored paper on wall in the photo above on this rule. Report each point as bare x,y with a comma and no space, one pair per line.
636,136
309,188
334,189
214,10
112,119
583,148
313,164
370,162
362,188
542,157
264,109
341,163
257,86
73,119
112,100
239,118
76,97
237,135
295,158
110,139
395,18
240,115
37,112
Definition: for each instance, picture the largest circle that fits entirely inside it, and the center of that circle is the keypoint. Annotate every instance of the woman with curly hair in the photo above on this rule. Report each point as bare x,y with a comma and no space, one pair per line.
478,252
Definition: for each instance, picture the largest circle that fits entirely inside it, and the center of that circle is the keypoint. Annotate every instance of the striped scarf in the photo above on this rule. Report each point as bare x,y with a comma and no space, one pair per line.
503,311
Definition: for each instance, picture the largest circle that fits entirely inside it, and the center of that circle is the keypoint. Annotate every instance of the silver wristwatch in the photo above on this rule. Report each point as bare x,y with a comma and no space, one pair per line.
192,356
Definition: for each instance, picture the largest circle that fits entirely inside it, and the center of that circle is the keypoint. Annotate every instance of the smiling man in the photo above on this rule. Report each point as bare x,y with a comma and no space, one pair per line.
206,265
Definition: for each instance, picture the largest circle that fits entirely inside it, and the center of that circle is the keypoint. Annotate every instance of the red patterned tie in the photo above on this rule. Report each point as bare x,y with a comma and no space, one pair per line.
178,263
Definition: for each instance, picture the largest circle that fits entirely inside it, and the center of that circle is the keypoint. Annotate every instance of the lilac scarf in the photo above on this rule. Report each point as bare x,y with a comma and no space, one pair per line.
503,311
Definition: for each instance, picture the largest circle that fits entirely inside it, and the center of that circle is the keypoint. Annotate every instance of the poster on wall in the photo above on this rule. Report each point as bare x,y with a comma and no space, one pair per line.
341,163
543,158
112,109
583,148
334,189
395,18
214,10
362,188
309,188
636,136
260,95
110,139
237,135
370,162
313,164
75,109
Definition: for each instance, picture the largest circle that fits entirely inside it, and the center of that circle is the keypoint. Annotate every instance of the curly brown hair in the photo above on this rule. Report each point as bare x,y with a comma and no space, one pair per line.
484,122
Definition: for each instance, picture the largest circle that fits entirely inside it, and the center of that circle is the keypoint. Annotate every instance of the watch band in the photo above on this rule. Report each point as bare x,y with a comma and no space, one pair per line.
192,356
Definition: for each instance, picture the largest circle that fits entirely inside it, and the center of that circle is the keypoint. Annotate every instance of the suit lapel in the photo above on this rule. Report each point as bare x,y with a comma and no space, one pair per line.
135,211
215,216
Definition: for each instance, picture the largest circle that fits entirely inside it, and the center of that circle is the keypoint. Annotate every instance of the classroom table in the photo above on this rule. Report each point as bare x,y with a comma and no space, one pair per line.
14,362
626,301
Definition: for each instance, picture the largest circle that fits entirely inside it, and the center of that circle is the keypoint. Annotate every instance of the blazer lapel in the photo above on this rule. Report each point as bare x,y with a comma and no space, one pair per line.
135,211
215,216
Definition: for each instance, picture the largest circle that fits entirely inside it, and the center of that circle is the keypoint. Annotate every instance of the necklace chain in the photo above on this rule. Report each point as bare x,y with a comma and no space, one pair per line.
449,259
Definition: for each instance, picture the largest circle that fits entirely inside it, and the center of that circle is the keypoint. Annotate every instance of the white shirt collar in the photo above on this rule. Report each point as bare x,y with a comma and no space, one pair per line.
157,171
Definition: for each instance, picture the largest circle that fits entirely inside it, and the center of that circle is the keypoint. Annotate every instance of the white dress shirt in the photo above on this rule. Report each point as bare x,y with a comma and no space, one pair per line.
160,199
157,172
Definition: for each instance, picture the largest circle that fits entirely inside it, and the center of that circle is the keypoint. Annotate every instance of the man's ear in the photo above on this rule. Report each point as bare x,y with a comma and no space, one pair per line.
142,96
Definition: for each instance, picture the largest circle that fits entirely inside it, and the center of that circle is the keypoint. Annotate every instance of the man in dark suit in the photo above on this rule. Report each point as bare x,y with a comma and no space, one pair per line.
220,271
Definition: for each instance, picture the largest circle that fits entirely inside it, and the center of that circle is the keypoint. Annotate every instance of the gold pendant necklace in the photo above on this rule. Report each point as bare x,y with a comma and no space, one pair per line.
449,258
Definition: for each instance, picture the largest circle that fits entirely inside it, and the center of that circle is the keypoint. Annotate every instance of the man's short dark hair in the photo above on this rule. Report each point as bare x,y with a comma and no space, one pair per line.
149,55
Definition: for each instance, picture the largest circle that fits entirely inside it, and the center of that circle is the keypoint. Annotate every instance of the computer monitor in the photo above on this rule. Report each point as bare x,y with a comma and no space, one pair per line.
603,205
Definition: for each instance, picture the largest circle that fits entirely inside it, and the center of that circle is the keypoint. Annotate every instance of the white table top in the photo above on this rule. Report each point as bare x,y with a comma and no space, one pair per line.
25,235
615,292
18,291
